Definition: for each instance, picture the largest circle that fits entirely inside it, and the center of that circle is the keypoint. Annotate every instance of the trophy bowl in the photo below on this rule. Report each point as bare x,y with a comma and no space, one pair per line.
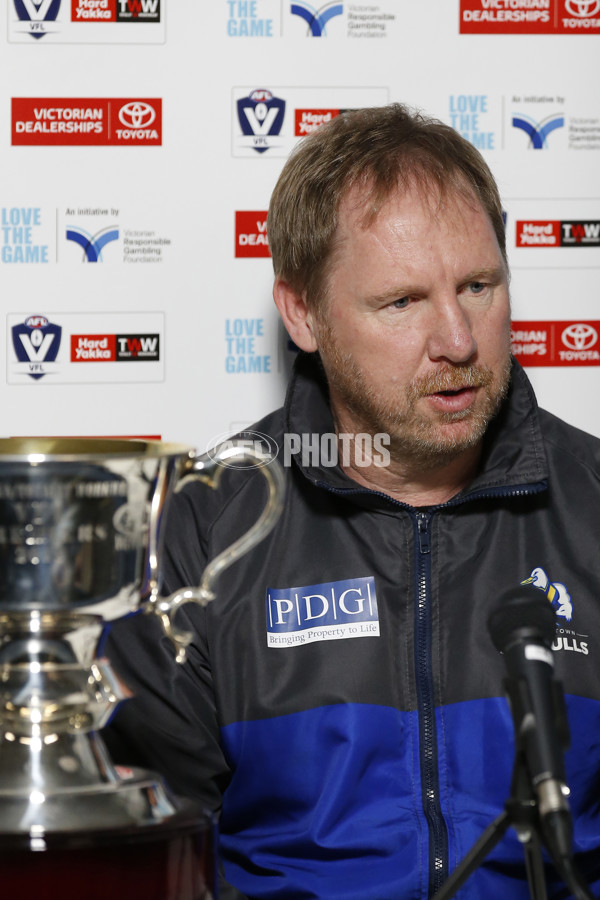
81,531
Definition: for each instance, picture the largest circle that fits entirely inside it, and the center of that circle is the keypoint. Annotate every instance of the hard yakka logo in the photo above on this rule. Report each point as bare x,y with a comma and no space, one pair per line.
115,347
553,233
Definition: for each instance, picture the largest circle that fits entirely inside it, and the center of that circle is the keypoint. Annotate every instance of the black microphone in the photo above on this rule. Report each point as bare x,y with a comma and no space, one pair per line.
522,628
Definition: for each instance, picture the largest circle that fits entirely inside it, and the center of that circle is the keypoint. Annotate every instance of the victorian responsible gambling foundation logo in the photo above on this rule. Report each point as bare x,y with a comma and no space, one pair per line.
260,116
36,343
538,131
92,244
84,122
316,19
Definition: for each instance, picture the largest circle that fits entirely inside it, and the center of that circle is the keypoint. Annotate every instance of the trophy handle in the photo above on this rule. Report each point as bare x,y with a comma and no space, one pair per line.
208,468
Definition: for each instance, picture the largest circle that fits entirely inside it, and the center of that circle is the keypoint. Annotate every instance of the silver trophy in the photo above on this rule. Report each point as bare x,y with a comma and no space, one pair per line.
81,527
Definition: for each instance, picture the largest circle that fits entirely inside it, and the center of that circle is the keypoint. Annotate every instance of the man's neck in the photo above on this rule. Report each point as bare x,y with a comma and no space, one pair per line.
418,488
406,478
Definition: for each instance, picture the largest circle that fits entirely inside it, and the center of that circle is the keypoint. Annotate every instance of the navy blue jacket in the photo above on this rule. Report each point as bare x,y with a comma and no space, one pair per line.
342,704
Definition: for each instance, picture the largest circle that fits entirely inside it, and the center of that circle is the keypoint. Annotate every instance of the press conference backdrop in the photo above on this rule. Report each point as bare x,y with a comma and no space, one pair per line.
140,141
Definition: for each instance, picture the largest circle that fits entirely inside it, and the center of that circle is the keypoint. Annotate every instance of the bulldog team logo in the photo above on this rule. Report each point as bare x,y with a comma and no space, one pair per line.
556,593
260,116
562,604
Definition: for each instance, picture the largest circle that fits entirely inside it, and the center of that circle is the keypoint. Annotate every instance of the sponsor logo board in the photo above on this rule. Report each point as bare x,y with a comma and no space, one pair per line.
555,343
55,121
86,21
84,348
551,122
556,233
76,234
265,121
530,16
299,19
251,234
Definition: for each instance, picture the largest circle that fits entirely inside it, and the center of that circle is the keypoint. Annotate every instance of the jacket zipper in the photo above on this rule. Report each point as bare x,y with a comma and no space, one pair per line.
438,863
428,756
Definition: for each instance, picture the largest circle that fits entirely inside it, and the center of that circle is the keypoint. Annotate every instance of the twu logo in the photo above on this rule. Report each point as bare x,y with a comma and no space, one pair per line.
538,132
92,243
317,19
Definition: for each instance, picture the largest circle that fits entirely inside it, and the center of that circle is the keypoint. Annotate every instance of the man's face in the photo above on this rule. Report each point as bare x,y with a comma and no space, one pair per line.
414,332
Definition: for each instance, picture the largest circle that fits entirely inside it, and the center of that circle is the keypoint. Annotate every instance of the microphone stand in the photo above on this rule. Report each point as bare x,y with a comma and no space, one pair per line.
520,812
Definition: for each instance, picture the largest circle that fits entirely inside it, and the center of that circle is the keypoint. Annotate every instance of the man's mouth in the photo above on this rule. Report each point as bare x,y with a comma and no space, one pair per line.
453,400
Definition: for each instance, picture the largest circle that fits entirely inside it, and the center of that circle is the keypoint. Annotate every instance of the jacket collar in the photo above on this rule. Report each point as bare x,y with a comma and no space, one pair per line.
513,455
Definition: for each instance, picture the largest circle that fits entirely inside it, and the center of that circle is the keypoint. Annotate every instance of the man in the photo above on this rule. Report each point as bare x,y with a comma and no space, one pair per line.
342,705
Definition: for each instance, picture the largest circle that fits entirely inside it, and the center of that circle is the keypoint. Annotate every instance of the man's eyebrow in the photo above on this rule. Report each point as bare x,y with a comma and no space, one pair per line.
394,293
488,273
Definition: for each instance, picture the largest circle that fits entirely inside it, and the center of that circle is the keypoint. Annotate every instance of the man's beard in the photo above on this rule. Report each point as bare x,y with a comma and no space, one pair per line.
416,438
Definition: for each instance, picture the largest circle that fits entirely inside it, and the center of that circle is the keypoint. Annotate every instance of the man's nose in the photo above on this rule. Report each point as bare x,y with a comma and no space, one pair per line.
451,333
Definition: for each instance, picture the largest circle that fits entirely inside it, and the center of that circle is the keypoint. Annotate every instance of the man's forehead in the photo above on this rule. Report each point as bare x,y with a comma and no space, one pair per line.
363,202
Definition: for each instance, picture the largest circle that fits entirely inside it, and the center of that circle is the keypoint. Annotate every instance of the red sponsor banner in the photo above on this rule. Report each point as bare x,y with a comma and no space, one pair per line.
93,10
93,347
95,437
82,121
530,16
556,343
251,234
307,120
538,233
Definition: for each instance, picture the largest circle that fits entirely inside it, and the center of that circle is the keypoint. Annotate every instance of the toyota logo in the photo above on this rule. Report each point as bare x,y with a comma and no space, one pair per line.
582,8
139,115
579,336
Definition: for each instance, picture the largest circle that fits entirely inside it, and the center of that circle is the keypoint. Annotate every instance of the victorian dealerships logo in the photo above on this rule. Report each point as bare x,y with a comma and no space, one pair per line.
322,612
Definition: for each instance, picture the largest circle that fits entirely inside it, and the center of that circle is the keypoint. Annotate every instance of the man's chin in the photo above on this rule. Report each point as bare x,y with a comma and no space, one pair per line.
432,447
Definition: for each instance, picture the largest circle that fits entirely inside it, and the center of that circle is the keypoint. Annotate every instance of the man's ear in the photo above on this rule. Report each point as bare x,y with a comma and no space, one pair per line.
296,315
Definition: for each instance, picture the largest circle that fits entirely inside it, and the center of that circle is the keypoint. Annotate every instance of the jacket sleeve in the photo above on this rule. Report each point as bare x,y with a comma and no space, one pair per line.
170,724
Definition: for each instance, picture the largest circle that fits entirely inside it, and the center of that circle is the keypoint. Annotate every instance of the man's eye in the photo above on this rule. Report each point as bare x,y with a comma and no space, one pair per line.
400,303
477,287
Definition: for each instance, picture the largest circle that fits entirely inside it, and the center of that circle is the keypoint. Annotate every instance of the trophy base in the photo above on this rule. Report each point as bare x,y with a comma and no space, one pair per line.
172,860
128,840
